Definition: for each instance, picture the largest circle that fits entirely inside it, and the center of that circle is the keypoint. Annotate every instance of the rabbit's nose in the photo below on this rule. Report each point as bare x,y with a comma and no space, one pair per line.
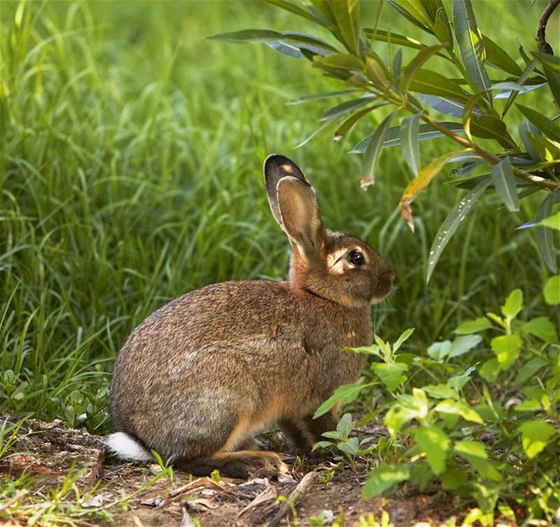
385,283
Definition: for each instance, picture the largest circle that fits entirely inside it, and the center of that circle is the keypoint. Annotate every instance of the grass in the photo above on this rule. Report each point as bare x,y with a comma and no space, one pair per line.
131,172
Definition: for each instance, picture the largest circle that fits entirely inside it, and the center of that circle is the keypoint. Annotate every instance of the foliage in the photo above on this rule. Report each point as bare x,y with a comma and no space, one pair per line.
466,76
488,431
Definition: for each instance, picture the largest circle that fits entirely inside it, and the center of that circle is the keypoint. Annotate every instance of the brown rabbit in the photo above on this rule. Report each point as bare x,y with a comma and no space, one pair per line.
201,375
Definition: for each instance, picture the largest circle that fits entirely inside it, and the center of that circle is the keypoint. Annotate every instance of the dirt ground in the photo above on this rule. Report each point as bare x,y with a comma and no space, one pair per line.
317,494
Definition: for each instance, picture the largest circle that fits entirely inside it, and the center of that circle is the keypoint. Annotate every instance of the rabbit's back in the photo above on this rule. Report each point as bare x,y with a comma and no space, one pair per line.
257,346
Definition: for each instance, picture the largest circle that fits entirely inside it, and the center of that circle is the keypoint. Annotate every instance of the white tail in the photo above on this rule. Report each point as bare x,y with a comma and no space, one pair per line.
125,446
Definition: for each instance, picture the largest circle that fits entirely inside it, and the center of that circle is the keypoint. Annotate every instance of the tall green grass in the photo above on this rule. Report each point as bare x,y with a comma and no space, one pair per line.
131,172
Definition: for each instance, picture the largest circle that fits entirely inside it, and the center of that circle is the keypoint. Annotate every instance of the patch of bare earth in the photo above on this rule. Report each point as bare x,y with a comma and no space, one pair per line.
48,451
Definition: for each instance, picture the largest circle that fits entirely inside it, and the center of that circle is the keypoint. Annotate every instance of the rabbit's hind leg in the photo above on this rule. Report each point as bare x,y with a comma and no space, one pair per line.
242,464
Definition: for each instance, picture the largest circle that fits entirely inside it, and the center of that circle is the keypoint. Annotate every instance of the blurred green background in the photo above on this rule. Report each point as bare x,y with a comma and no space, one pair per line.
131,152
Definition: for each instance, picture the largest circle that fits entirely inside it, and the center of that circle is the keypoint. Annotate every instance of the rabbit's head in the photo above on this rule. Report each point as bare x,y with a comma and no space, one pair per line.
331,265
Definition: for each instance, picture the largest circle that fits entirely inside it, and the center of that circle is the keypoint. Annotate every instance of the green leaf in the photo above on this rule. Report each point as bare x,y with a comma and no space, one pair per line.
535,436
409,141
440,23
384,478
432,83
325,126
395,38
474,452
435,443
545,125
398,416
445,105
318,96
552,222
530,405
521,80
542,328
464,344
342,395
347,17
288,6
339,65
439,350
391,374
529,369
471,45
506,348
425,132
405,335
527,134
414,12
513,304
503,180
454,477
492,127
458,381
321,444
498,57
324,8
345,425
376,73
440,391
349,123
420,182
507,88
490,370
372,152
347,107
397,66
543,235
553,79
550,61
451,223
351,446
473,326
461,408
297,40
417,62
552,291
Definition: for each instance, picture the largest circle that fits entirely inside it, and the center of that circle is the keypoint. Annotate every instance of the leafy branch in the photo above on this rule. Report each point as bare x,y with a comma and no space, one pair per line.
515,160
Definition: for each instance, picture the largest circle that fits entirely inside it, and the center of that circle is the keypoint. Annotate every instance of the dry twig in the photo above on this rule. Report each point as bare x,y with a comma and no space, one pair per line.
294,497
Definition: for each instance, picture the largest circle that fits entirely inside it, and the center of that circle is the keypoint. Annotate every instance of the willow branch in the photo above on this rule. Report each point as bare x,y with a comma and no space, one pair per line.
543,45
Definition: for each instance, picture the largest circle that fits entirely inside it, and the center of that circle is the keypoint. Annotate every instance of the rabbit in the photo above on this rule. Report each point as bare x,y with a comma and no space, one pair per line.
201,375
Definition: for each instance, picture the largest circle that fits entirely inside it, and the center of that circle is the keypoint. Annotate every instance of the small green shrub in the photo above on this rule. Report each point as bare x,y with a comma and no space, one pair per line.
487,428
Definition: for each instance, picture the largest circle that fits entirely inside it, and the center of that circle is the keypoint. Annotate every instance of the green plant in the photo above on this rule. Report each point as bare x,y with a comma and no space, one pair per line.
491,437
349,447
475,84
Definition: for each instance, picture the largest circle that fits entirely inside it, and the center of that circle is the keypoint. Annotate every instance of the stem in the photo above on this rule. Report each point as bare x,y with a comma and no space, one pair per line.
543,45
491,158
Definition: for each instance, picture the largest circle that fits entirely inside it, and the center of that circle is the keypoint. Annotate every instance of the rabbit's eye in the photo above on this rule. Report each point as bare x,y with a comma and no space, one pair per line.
356,257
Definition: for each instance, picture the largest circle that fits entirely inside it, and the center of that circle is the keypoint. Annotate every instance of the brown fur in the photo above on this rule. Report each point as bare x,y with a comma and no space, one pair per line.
202,374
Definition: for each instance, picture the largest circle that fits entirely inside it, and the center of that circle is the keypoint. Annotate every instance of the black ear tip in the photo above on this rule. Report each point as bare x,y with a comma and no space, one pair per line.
277,160
277,166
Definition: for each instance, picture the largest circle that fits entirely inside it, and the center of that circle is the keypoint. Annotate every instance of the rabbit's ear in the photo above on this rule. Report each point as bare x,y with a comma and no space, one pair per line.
300,218
277,167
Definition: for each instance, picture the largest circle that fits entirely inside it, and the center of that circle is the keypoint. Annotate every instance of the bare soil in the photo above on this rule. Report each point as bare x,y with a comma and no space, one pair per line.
48,451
